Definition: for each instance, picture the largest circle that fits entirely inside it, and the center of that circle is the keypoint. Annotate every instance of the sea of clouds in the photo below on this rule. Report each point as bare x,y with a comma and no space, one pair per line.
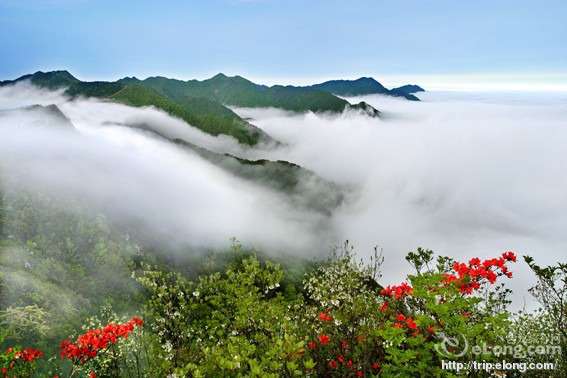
463,173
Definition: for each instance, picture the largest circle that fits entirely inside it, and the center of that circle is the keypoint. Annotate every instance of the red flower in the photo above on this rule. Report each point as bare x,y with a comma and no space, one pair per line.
509,256
312,345
29,354
469,278
91,342
349,364
384,307
137,321
359,373
333,364
92,374
448,278
344,344
375,366
431,329
324,339
475,261
341,358
324,317
397,291
400,317
411,324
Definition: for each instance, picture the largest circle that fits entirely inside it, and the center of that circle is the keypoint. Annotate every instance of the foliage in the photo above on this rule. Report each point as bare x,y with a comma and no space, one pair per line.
238,91
18,362
207,115
108,349
58,267
551,292
228,323
24,322
239,313
536,340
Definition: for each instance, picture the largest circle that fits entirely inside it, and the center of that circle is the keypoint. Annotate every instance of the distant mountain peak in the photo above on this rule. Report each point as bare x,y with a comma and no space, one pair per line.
360,86
365,78
220,75
49,79
60,74
409,89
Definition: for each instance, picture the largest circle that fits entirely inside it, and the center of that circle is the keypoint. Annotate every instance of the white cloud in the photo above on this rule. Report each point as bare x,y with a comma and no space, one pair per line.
465,174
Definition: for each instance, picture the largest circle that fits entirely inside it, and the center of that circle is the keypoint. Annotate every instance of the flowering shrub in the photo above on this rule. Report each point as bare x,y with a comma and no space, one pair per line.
340,322
16,362
89,344
225,324
395,330
98,350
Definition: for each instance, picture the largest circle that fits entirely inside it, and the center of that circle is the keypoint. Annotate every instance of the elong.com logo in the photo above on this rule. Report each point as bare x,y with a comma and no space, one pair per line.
457,346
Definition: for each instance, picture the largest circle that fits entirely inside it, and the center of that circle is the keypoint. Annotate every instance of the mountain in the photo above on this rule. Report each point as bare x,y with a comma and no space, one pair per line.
240,92
202,104
303,187
408,89
358,87
209,116
365,86
50,80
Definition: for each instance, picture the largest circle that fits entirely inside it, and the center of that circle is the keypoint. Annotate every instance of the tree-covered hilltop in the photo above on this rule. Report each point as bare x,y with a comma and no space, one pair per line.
366,86
210,116
207,115
240,92
202,103
49,80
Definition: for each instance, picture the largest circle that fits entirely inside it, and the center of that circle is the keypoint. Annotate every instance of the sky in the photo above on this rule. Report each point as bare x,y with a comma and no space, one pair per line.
440,44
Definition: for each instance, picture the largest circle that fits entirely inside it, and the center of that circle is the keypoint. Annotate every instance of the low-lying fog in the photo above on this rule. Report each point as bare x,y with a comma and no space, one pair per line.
464,174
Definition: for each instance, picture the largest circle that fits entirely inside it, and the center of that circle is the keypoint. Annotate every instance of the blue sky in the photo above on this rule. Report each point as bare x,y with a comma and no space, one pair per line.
516,42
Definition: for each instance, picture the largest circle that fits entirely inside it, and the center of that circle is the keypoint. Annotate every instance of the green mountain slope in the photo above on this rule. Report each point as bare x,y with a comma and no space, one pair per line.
238,91
49,80
205,114
202,103
212,118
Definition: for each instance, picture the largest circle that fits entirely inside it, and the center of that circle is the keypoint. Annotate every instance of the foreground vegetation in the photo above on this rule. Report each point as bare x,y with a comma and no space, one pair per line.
81,299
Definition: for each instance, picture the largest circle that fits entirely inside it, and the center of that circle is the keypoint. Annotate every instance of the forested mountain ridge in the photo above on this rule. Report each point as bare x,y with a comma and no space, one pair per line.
202,104
209,116
366,86
240,92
